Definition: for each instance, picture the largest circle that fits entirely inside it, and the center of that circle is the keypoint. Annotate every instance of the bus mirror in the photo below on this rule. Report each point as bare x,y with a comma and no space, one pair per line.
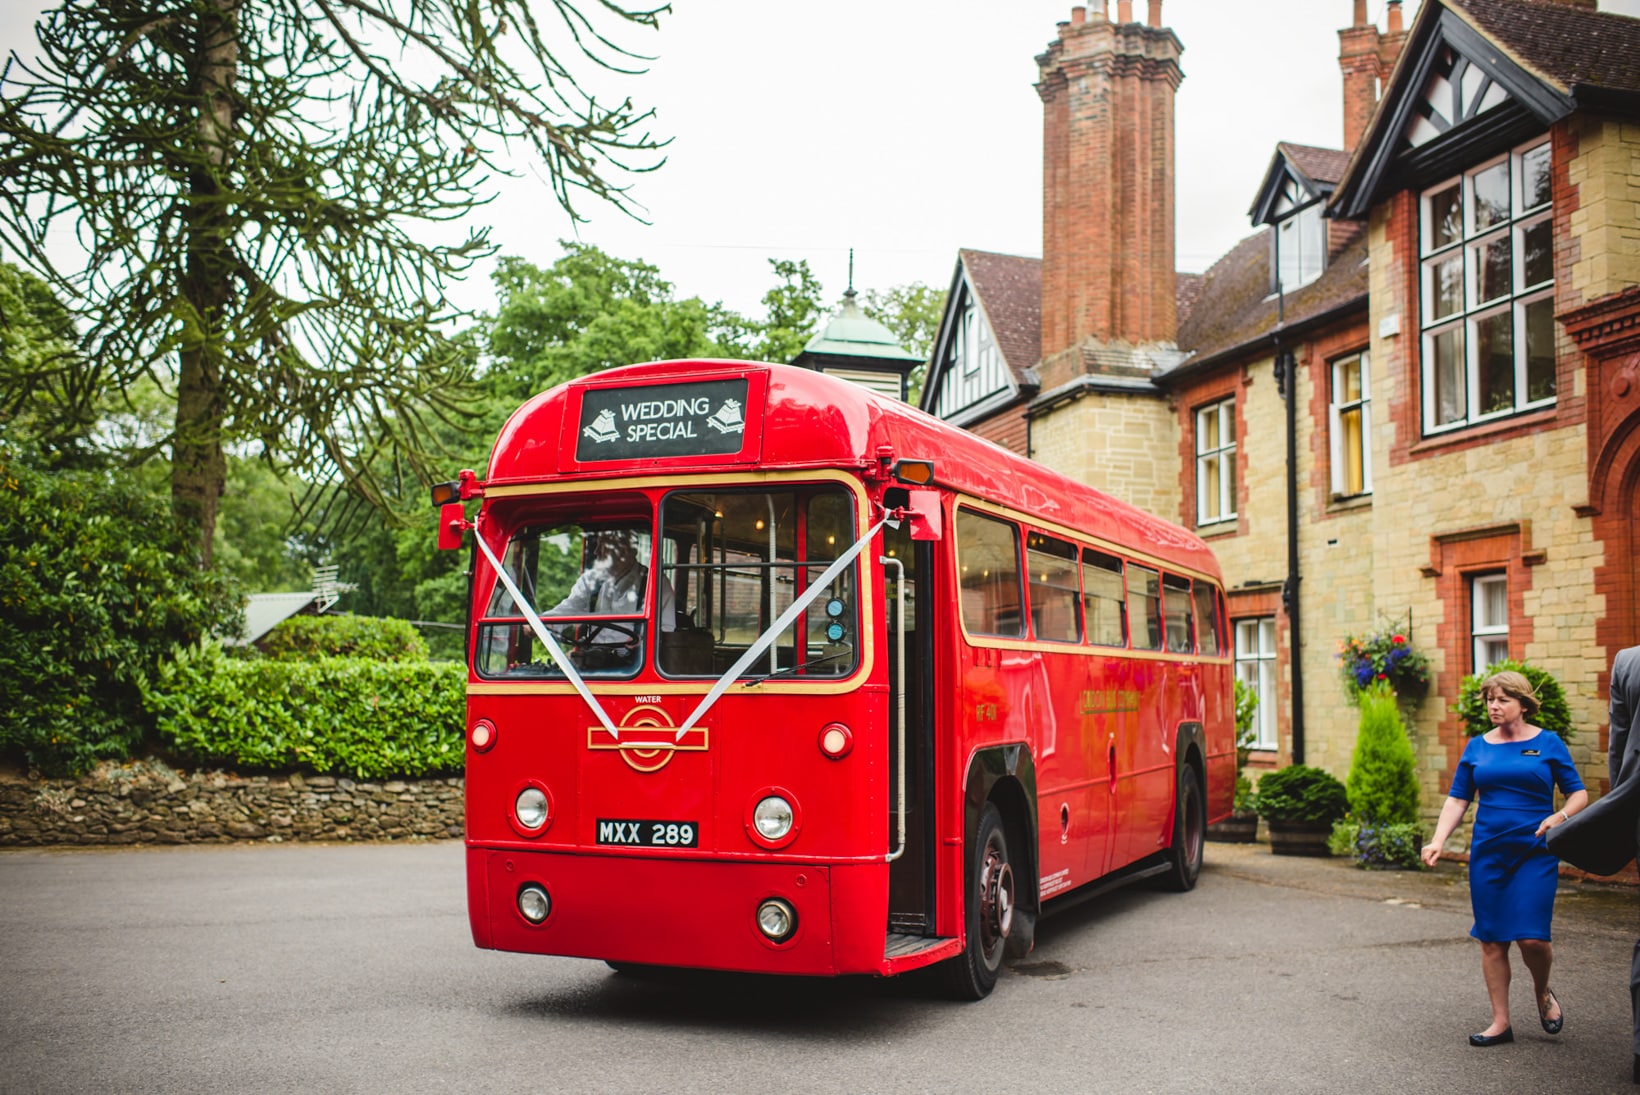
452,519
445,493
923,507
919,473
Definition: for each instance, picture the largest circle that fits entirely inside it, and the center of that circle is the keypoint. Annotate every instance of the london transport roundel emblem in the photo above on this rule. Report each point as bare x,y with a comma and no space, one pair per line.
648,738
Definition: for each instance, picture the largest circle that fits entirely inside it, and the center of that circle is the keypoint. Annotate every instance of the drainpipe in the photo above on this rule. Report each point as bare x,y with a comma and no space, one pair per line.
1287,385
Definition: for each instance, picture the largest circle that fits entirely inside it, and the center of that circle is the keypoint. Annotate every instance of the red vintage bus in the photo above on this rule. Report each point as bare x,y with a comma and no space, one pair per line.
769,673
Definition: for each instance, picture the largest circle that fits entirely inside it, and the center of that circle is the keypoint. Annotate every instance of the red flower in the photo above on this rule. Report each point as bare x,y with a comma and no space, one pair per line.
1397,638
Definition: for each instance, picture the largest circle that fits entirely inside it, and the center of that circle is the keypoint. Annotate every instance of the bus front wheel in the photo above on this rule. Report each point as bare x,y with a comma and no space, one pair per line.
989,913
1184,857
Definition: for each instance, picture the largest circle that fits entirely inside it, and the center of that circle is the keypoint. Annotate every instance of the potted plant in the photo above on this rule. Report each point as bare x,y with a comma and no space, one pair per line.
1241,827
1300,804
1383,788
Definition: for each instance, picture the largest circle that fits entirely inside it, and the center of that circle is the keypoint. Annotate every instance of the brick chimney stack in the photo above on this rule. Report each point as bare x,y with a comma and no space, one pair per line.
1107,92
1365,57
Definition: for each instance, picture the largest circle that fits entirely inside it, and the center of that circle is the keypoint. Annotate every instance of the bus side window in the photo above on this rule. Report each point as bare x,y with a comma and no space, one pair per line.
1207,619
1104,599
1145,607
988,555
1176,609
1053,587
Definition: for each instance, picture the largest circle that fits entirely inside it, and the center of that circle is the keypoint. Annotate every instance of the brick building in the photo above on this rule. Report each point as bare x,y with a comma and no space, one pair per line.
1409,397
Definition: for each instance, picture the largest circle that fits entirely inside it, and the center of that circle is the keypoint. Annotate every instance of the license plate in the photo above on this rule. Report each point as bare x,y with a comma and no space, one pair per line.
648,834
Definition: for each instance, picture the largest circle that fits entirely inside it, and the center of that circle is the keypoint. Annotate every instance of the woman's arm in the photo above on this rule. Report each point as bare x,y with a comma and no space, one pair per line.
1574,802
1451,814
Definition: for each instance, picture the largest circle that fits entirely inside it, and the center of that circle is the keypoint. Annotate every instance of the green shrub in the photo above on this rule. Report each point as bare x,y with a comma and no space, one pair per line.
98,589
341,716
1394,846
344,636
1300,793
1341,841
1383,780
1555,715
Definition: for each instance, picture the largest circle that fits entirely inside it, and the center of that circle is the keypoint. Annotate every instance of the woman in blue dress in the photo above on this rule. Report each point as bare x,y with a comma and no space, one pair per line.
1515,767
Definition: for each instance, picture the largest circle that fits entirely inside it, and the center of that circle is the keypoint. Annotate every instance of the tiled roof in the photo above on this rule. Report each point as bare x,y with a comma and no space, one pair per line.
1009,288
1187,289
1566,46
1323,165
1236,307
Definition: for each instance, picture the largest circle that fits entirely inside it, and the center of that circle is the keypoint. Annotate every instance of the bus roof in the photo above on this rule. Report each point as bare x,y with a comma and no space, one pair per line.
798,418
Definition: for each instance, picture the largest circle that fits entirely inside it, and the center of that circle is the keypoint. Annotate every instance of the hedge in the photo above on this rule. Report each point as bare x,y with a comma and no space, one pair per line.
340,635
336,716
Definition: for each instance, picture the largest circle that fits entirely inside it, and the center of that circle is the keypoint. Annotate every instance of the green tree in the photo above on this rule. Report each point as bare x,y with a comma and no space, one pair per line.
263,192
793,311
1383,779
49,394
92,603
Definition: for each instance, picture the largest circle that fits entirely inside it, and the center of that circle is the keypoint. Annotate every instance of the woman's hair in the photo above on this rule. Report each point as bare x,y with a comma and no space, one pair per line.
1516,687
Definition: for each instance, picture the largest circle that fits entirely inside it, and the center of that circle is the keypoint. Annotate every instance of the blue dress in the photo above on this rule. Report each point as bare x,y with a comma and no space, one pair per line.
1512,876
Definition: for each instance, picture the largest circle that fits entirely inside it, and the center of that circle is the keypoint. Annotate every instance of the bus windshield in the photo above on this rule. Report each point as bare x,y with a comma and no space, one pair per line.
738,558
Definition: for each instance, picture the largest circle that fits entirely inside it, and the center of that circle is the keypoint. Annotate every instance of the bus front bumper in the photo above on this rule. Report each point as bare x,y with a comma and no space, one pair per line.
698,913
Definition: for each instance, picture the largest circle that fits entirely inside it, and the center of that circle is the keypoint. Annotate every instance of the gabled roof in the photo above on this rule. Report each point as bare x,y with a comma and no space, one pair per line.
1532,64
1009,289
1314,172
1237,313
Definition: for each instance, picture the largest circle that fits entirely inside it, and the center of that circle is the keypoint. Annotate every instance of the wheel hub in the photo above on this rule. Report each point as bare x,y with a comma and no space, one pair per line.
996,899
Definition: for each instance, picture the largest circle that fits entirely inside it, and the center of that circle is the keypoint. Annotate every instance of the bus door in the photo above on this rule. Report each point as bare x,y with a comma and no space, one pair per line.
911,875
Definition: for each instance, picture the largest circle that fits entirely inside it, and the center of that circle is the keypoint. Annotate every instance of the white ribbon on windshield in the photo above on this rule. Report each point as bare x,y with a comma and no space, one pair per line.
545,636
765,640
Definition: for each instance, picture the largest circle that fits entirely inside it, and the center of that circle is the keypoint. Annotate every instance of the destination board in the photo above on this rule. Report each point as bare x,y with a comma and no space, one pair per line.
703,419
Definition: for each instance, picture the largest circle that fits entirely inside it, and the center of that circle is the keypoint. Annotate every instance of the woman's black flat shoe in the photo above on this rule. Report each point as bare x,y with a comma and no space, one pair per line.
1484,1040
1553,1025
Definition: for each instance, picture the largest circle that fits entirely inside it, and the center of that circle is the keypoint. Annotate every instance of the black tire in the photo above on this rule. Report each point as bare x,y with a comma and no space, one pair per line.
989,911
1184,855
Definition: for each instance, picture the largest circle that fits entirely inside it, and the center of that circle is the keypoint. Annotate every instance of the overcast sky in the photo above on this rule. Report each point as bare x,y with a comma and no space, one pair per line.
906,129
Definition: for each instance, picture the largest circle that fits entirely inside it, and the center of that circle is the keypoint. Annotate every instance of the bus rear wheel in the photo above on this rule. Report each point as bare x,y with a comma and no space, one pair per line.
989,917
1184,856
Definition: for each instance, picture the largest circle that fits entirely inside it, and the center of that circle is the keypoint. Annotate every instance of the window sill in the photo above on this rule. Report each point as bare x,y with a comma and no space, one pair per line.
1487,431
1226,527
1346,503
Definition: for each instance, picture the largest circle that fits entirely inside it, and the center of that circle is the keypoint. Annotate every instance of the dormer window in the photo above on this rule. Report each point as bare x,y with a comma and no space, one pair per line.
1300,239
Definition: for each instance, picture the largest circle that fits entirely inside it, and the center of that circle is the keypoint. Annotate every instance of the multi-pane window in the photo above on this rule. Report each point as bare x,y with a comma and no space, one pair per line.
1351,419
1488,292
1216,462
1489,619
1256,668
1301,247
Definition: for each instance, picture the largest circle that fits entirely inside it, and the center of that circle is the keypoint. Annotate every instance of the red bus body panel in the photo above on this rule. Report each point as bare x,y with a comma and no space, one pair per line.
1100,726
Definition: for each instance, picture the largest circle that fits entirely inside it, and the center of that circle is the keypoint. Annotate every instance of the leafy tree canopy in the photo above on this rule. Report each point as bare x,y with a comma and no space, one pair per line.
263,191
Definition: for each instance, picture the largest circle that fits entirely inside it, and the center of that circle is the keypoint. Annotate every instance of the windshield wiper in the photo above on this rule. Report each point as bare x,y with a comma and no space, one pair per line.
822,660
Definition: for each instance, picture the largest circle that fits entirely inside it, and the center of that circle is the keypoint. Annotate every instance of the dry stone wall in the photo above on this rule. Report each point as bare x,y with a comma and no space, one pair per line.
154,805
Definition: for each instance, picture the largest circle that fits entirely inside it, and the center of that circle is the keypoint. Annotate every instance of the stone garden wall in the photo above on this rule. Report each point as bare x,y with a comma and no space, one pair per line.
151,804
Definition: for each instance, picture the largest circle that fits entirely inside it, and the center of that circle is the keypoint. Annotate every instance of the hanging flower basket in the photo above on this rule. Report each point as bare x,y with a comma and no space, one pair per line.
1386,656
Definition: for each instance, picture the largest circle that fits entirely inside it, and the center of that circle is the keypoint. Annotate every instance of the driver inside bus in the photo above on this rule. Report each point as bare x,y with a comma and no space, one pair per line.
612,582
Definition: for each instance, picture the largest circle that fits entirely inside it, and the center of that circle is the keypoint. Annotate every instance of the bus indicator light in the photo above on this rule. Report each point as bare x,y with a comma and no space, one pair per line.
482,736
836,740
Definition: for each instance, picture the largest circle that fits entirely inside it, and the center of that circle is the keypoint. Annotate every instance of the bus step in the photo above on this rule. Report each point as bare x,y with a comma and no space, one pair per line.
903,946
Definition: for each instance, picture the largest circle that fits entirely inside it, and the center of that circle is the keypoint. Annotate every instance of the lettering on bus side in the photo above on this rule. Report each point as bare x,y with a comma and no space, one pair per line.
1108,701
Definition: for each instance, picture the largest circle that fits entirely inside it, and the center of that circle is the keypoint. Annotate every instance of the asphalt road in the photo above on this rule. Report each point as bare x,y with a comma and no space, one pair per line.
349,968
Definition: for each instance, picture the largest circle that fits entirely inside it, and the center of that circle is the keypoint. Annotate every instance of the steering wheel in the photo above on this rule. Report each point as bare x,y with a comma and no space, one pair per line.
578,639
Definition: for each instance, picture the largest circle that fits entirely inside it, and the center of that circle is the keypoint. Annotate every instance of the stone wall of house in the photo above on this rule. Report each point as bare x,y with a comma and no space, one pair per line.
139,804
1124,445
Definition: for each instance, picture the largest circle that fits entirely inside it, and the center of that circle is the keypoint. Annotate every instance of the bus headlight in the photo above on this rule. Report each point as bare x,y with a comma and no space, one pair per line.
533,903
776,920
530,808
773,818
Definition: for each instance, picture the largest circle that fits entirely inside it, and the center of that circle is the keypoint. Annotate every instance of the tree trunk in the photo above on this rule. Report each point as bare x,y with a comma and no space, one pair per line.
199,469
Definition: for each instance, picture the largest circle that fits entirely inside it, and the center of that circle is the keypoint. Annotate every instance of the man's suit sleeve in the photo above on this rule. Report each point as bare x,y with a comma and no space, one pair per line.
1625,699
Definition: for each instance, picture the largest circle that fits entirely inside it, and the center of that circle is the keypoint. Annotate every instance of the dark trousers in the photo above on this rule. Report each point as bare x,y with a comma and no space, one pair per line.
1634,993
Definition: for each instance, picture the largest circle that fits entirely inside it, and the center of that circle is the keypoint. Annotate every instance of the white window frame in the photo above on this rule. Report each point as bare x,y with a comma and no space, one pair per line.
1506,303
1336,411
1489,637
1299,227
1222,455
1256,667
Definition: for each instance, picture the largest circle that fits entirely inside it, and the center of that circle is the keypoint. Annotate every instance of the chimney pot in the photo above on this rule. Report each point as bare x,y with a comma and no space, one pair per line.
1124,11
1395,16
1079,15
1155,13
1360,13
